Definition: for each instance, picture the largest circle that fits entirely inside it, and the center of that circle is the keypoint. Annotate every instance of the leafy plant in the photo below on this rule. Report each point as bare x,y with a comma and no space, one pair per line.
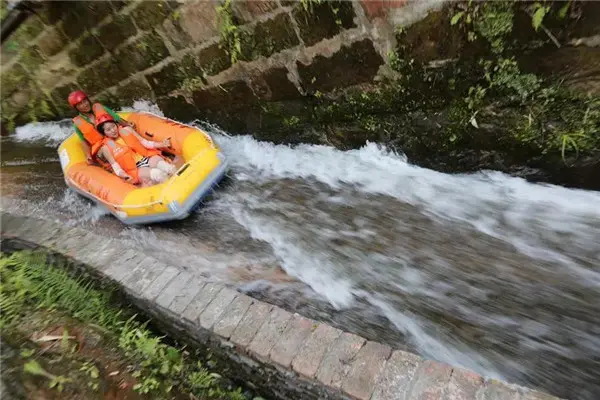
538,15
26,280
230,32
56,381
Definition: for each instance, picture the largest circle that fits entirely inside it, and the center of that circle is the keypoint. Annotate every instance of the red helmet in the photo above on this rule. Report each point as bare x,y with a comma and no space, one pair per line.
77,97
102,118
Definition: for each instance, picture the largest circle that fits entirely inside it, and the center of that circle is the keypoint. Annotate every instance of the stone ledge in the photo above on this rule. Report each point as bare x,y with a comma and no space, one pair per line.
284,355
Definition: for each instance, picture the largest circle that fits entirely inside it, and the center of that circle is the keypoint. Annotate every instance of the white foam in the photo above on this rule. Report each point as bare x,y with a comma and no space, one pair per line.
144,105
315,271
499,205
47,133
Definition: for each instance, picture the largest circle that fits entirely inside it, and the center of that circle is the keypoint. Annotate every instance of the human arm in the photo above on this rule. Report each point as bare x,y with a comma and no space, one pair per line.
86,146
149,144
120,172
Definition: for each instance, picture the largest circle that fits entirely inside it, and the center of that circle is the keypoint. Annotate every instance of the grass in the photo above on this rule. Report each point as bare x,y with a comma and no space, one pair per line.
29,284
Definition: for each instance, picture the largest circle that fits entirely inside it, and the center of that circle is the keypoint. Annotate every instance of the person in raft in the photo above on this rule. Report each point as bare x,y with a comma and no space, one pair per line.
130,156
85,121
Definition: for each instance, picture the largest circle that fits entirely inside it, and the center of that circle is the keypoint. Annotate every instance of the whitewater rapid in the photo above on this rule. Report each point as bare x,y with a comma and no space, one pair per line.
445,259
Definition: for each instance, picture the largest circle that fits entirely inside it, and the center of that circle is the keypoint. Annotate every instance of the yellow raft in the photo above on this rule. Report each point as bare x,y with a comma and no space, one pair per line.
203,166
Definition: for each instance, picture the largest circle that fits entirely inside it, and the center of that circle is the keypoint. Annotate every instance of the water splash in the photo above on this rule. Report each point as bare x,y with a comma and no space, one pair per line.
51,134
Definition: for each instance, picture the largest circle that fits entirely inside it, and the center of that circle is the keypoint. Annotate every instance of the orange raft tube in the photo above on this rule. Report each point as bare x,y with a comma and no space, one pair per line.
204,166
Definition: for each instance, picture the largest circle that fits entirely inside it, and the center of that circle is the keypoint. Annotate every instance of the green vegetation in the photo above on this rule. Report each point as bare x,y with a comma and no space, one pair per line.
557,119
230,31
30,287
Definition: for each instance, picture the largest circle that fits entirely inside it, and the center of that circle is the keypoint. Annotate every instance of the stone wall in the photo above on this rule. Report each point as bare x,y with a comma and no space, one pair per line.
284,355
176,54
335,72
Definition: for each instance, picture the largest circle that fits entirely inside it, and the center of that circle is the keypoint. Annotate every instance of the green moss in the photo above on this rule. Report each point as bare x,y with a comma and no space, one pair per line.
149,14
132,91
352,64
94,79
318,19
31,58
78,16
269,37
28,31
41,108
117,31
59,97
141,54
12,79
213,60
88,50
178,108
52,42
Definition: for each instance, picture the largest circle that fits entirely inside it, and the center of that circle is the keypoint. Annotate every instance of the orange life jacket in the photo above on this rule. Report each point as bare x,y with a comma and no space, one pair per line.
90,134
128,136
124,156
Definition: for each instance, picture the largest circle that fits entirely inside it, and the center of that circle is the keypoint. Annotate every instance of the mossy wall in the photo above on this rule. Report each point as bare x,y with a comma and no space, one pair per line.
457,86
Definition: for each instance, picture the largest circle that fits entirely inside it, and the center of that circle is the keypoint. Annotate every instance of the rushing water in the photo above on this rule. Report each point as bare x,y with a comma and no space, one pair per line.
483,270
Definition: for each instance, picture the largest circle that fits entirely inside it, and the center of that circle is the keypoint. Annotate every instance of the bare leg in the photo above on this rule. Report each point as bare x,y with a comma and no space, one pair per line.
144,175
160,163
158,175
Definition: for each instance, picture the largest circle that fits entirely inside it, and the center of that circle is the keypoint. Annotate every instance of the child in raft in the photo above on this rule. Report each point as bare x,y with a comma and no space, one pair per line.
130,156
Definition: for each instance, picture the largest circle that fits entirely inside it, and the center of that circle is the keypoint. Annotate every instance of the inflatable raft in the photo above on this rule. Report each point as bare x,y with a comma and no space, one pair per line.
203,165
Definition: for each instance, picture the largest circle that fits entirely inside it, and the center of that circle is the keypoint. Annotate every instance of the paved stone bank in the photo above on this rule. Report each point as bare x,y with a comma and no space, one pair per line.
285,355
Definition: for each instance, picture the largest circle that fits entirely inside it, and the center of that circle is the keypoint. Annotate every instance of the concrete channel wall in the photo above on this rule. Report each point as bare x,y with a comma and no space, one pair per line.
286,356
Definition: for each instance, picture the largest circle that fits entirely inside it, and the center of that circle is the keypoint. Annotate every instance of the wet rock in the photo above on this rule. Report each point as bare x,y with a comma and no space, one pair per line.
324,20
31,58
579,67
274,85
134,90
88,50
117,5
178,108
116,32
213,60
59,96
287,122
228,96
94,79
109,99
149,14
232,105
28,31
141,54
52,42
191,69
13,79
268,37
193,22
247,11
81,15
172,75
433,38
352,64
